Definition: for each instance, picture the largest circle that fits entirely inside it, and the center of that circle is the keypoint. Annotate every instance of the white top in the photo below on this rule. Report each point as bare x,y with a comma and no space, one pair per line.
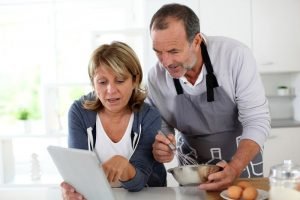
106,148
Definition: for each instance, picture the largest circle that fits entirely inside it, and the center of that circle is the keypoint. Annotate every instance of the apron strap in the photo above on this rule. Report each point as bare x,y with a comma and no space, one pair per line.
178,86
211,80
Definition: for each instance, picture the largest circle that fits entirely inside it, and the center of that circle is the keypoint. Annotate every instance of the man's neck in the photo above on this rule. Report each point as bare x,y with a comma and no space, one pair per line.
192,74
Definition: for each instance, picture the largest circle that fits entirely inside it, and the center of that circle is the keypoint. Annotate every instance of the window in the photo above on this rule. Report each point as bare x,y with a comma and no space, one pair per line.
44,52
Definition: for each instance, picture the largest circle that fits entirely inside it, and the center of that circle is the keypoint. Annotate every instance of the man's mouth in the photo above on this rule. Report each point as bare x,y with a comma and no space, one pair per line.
173,69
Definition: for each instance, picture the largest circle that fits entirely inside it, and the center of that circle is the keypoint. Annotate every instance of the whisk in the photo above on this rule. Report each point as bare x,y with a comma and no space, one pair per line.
183,158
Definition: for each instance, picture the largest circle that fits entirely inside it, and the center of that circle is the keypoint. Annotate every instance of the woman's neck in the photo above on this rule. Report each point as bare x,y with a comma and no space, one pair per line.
115,116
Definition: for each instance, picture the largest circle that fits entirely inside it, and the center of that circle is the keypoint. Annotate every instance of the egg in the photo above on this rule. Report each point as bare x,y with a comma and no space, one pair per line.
249,193
244,184
234,192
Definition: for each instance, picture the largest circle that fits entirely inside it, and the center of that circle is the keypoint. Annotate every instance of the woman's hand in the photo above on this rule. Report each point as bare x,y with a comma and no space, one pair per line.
69,192
118,168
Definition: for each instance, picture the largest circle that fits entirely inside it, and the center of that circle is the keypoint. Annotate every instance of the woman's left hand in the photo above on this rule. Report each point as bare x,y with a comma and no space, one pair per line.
69,192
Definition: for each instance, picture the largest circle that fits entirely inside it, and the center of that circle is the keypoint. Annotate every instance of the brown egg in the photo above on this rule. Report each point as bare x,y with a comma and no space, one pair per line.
234,192
244,184
249,193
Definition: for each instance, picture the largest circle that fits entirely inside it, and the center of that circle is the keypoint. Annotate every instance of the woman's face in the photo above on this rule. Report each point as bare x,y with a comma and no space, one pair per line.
113,91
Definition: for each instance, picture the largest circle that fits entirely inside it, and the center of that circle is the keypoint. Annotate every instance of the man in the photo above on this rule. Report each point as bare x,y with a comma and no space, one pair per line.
209,89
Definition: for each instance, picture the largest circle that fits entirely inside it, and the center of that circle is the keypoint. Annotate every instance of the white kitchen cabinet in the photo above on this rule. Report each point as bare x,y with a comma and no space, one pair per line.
282,144
231,18
276,30
270,27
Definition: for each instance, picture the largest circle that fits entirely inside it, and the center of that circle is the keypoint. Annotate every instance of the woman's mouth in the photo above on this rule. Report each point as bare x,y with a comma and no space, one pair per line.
113,100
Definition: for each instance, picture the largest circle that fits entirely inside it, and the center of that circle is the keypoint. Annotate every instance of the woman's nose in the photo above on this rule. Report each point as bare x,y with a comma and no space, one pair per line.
111,88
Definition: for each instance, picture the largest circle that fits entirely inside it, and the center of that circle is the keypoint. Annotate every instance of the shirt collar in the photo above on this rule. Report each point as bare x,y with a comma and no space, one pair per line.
199,79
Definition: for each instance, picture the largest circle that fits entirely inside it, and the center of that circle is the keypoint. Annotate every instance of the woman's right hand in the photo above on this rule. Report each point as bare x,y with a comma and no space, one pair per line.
69,192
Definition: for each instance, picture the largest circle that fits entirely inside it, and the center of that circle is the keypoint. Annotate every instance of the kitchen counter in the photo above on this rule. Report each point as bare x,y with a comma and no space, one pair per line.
52,192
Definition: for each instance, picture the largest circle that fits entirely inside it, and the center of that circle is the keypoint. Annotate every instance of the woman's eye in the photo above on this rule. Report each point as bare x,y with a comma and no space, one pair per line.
120,81
101,82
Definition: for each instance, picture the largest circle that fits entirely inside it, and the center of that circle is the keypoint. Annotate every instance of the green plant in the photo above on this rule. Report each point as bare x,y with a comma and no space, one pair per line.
23,114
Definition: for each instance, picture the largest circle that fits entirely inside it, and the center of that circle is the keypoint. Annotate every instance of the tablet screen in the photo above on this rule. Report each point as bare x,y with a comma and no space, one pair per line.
82,170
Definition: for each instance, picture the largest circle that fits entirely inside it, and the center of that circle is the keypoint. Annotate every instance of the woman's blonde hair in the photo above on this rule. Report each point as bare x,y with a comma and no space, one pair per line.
121,59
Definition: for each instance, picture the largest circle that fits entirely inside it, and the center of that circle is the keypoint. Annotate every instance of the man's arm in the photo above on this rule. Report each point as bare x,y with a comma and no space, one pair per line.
246,151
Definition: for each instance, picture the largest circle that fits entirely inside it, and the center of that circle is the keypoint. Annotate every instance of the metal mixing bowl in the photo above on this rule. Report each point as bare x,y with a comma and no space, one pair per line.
193,174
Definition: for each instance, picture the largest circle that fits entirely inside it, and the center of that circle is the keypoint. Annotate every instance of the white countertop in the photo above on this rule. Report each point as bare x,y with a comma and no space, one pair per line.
153,193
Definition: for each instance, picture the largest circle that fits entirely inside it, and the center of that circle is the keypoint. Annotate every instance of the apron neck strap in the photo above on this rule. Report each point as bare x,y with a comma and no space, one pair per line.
178,86
211,80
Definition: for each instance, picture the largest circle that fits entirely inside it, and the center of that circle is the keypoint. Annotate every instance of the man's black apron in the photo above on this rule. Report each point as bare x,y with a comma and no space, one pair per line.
209,123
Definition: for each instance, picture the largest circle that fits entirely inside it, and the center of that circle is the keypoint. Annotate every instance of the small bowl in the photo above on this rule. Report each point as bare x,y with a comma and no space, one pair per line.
189,175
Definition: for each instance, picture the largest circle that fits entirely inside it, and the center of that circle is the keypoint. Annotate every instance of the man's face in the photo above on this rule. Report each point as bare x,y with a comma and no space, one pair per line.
173,50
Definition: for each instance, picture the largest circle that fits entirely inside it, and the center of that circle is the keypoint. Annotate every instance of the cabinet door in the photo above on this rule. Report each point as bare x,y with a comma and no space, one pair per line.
276,30
282,144
229,18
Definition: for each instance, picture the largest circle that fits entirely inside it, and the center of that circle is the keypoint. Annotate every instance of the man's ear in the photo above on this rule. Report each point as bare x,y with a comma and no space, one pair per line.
198,39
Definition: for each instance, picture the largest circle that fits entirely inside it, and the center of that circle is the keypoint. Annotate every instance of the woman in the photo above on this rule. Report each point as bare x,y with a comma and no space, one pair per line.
114,121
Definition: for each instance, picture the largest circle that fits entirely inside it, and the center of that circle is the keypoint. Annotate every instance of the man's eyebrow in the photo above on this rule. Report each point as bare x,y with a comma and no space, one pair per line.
155,50
171,50
174,49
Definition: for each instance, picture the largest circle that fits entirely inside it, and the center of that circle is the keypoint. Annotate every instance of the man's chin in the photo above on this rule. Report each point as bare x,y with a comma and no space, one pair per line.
176,75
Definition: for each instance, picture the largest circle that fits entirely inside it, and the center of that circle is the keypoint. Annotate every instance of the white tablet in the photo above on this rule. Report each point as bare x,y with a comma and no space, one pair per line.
82,170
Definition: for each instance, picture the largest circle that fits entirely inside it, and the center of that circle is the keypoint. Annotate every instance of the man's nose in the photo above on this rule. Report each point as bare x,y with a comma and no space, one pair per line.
166,60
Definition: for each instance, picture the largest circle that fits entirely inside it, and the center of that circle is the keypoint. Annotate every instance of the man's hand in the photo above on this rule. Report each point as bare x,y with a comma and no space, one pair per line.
246,151
222,179
161,151
69,192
